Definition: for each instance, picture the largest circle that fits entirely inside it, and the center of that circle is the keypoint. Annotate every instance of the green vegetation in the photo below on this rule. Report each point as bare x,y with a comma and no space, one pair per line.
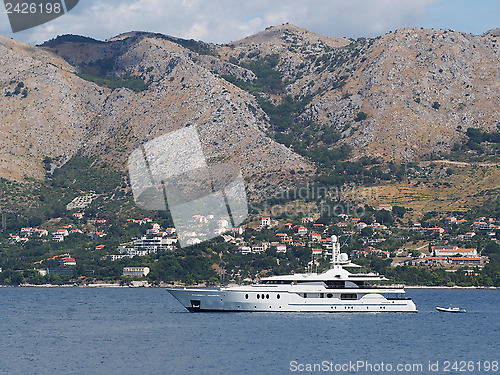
70,38
113,81
360,116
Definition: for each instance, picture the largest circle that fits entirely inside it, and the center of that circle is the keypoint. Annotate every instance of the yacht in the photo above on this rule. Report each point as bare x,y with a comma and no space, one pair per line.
334,290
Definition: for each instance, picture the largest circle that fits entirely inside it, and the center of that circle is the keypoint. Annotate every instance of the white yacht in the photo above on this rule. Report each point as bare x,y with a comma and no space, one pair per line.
334,290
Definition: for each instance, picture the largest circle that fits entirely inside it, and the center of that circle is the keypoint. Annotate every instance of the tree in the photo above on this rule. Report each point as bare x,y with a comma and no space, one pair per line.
360,116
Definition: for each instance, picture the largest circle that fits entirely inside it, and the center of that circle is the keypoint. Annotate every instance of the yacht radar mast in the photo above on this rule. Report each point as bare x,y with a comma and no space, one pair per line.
339,259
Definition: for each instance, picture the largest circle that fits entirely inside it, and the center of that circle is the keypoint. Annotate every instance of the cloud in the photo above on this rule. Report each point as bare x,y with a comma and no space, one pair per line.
222,21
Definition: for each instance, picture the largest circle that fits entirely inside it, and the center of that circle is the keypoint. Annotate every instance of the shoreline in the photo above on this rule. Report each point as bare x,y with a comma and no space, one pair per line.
163,285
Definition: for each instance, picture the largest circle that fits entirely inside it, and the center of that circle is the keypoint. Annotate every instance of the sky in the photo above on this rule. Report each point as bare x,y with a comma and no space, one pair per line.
224,21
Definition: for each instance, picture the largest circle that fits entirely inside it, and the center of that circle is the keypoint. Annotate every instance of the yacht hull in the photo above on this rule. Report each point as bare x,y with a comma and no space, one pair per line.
211,300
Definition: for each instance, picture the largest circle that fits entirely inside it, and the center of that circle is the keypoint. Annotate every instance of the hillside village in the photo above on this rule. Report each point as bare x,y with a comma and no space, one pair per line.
451,246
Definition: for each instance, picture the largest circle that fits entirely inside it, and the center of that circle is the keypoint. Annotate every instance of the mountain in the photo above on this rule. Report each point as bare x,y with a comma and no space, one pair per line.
266,102
420,89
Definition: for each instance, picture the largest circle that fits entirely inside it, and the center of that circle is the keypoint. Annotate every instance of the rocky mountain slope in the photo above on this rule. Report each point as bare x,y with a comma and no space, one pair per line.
400,96
420,89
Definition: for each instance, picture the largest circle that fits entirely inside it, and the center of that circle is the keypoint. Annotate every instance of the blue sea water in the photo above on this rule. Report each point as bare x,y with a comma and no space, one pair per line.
146,331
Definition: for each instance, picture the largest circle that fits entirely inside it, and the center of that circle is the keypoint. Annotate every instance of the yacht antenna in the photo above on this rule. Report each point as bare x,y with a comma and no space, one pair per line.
338,259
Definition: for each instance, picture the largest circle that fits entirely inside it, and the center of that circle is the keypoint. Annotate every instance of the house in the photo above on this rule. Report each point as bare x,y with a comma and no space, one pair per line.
245,249
281,248
223,223
62,232
482,225
193,241
42,232
307,220
288,226
342,224
435,260
257,249
468,235
58,237
170,231
220,230
361,225
466,260
301,230
450,220
155,229
135,271
317,252
450,251
67,261
386,207
315,236
238,231
200,219
265,221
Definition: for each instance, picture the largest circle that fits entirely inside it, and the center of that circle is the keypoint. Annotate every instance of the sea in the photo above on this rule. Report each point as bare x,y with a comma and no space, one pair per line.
146,331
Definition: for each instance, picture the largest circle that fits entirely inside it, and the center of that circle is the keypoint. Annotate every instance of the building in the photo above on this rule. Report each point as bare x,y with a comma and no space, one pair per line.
135,271
466,260
257,249
302,230
435,260
265,221
67,261
56,271
361,225
467,236
281,248
436,230
245,249
317,252
386,207
450,251
315,236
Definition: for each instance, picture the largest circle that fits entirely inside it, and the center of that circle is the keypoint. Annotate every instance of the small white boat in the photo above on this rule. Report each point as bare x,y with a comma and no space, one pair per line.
451,309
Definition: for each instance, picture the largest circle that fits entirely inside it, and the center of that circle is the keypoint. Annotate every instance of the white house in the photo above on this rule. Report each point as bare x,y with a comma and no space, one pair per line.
135,271
265,221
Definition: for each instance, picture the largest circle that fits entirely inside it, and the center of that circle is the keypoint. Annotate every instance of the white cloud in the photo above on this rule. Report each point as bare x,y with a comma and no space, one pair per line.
222,21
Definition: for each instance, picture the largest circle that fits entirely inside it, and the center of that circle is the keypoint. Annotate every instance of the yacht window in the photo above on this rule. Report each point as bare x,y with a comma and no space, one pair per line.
246,296
267,296
305,295
349,296
258,296
278,296
262,297
333,284
329,295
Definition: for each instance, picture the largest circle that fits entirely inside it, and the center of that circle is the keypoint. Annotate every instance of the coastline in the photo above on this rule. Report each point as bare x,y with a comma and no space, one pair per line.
164,285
